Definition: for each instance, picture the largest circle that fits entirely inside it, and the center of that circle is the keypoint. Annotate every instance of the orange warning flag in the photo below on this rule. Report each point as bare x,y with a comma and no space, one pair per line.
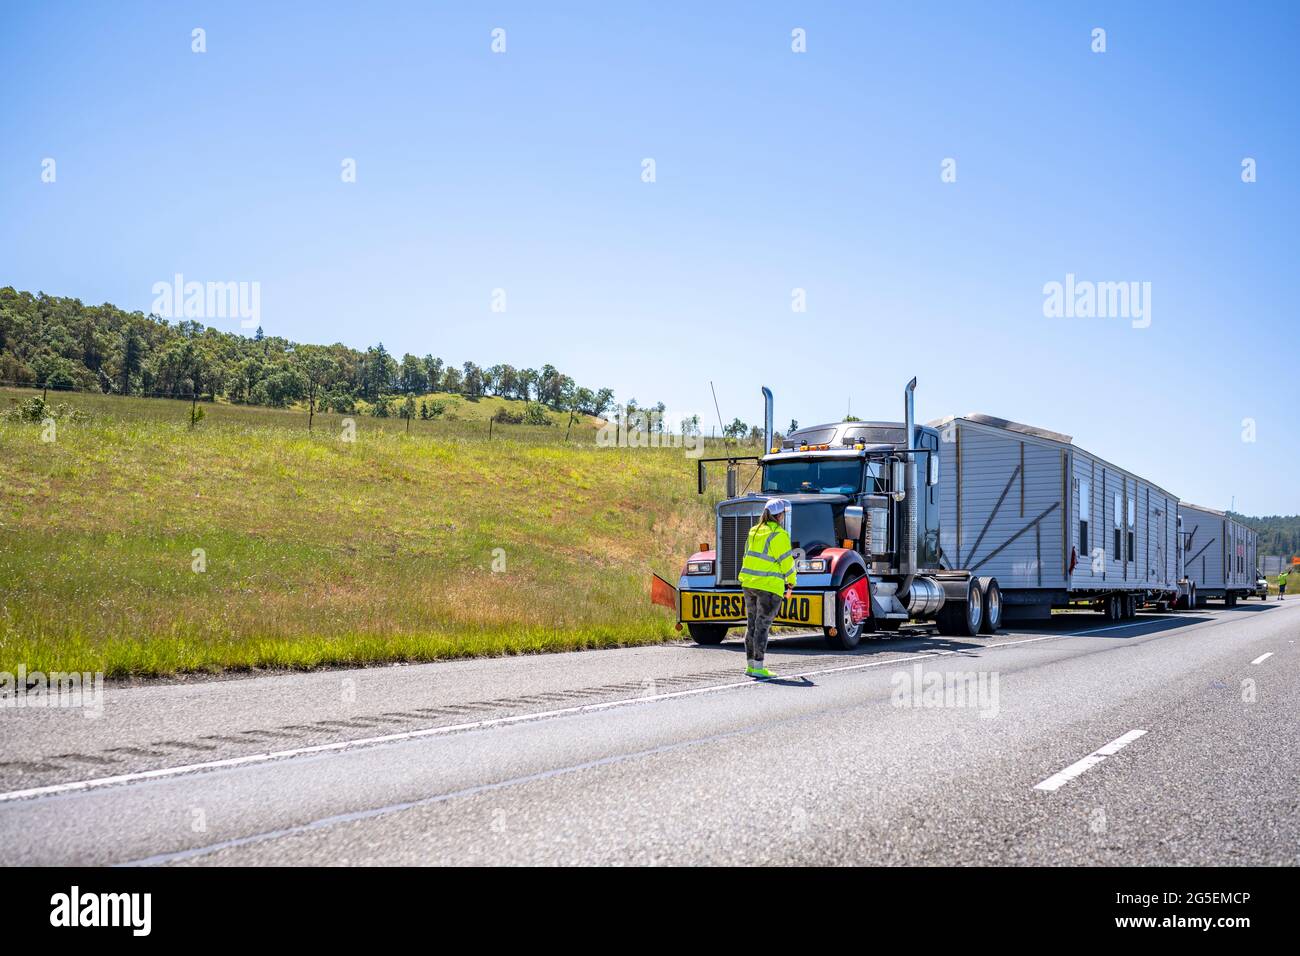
661,592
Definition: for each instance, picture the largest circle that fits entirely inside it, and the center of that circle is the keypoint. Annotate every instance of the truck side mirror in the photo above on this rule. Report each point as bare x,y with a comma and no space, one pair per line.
932,473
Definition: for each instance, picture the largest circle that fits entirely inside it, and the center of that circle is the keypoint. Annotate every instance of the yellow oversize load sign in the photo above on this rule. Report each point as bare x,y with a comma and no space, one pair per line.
804,609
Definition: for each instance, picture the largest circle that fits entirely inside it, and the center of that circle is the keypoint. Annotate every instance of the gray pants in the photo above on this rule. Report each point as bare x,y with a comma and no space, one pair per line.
760,609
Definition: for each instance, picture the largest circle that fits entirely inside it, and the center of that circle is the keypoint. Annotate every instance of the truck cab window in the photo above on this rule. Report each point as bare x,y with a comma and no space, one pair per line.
836,476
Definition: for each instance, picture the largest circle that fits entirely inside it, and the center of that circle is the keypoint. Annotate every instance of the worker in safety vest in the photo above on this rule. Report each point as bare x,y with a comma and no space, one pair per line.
767,576
1281,584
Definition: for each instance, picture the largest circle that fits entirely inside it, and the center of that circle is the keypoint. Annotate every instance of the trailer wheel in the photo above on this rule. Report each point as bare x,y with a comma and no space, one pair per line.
1230,599
963,618
992,595
707,633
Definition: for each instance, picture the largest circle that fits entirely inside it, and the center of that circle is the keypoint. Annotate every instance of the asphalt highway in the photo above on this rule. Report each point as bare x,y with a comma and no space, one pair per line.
1171,739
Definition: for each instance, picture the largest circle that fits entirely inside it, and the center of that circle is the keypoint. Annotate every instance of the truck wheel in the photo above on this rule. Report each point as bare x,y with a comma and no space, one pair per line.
992,595
707,633
847,634
963,618
1230,599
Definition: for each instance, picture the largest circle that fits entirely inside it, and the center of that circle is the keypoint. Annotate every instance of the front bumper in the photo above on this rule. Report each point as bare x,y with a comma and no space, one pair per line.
804,608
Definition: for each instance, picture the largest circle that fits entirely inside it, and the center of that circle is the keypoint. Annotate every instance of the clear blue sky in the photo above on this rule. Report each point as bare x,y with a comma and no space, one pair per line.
775,171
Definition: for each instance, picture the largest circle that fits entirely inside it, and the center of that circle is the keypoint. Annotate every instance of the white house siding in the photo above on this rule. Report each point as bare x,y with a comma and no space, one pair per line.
1022,543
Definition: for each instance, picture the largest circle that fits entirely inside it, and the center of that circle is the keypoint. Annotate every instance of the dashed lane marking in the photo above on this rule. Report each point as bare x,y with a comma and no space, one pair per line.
1058,780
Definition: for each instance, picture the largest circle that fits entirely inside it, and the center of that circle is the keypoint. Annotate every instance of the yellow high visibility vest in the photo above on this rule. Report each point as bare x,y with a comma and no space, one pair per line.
769,559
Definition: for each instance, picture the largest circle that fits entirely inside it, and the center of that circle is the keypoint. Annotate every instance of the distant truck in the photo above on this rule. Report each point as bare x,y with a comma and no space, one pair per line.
1218,554
1261,585
864,521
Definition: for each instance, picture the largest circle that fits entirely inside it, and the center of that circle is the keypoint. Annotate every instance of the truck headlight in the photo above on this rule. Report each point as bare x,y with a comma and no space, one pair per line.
811,565
699,567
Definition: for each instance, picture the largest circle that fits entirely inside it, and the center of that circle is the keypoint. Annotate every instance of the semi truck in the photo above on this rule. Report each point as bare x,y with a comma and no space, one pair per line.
865,522
961,522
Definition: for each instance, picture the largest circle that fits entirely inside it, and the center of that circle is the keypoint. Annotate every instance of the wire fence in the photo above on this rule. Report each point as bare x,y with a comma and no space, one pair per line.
168,406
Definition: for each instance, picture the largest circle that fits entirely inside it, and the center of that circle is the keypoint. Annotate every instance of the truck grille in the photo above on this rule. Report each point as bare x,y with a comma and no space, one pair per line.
734,532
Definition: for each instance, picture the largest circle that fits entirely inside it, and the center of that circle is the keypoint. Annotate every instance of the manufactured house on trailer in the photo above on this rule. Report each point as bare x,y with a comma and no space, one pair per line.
1055,524
1218,553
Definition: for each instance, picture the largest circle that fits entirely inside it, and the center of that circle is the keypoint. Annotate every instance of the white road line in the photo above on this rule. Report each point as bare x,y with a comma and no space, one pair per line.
166,772
1262,658
1058,780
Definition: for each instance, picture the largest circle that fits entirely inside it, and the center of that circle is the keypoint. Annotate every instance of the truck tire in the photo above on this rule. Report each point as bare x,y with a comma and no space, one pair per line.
963,618
1230,599
707,633
847,634
992,595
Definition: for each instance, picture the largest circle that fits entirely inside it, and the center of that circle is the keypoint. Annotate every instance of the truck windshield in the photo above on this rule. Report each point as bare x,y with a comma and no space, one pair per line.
835,476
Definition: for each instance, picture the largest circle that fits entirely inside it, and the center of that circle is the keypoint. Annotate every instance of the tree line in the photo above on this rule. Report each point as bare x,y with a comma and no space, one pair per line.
60,343
1278,534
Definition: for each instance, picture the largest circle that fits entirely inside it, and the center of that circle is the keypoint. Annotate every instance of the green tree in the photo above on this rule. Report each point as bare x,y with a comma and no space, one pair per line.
132,357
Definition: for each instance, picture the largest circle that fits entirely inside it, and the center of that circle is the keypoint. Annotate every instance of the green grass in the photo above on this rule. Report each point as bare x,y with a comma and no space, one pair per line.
324,552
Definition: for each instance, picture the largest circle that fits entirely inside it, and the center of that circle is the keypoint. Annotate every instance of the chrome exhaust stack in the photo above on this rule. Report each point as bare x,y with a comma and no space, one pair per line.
768,429
907,513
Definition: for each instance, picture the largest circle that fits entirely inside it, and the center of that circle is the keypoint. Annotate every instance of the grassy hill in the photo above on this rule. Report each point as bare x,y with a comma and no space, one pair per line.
134,544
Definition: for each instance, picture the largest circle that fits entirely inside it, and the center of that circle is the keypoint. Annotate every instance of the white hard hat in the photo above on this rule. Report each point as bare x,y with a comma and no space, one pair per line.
777,506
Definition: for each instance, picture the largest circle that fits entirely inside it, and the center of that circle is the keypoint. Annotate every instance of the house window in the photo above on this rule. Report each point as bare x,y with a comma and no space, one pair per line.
1132,526
1119,526
1085,511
